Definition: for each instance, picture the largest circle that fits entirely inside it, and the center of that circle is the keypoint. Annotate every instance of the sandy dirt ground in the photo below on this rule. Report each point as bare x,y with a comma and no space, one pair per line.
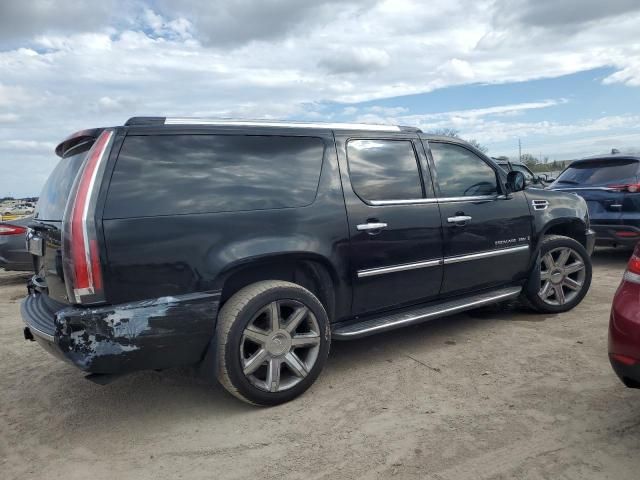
494,394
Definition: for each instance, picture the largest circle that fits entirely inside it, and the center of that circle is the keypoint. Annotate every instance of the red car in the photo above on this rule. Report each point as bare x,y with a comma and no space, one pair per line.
624,325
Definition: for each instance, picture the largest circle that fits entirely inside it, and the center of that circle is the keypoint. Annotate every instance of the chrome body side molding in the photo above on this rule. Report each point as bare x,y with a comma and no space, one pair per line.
369,272
398,268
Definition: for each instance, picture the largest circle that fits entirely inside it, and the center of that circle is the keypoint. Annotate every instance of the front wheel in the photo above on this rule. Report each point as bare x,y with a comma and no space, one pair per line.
562,278
272,341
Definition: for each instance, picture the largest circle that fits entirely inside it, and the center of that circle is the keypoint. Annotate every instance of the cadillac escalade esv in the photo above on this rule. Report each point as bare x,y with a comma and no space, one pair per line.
245,248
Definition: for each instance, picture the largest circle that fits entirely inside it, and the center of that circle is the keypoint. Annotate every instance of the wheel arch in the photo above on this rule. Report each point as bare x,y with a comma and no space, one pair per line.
311,271
567,227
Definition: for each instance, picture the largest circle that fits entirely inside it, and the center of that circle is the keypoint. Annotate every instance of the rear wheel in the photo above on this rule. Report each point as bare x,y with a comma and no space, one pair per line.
562,278
272,342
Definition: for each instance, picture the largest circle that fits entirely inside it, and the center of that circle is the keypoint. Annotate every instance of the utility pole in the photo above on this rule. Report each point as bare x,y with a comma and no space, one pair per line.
519,150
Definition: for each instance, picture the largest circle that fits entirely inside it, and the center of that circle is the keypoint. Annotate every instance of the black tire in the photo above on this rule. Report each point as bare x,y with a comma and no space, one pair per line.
535,285
245,307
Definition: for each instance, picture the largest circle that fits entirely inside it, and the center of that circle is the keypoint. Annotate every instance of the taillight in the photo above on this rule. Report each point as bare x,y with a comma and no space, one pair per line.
627,187
632,274
81,257
6,229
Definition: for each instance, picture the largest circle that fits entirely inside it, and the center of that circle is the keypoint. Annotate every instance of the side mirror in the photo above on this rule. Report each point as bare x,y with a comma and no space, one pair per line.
515,181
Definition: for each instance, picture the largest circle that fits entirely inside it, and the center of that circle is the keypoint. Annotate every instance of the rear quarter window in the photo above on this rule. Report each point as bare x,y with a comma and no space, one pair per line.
180,174
54,194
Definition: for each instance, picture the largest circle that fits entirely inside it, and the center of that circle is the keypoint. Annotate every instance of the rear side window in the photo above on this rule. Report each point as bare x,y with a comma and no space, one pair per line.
178,174
55,192
384,169
600,172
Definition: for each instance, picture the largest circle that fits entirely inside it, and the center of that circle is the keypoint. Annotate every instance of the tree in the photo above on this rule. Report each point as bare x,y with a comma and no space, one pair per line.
452,132
529,160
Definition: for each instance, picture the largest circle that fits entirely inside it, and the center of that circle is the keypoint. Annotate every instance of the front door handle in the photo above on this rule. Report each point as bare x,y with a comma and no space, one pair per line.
371,226
459,219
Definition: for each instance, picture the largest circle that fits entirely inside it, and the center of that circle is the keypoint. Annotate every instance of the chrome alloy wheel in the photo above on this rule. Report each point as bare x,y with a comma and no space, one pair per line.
280,345
562,275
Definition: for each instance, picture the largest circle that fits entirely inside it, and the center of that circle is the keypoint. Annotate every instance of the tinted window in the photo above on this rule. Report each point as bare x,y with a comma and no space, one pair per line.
600,172
384,169
461,173
525,171
55,192
174,174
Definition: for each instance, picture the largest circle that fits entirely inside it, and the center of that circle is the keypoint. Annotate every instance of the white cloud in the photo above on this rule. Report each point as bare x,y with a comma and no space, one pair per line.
73,67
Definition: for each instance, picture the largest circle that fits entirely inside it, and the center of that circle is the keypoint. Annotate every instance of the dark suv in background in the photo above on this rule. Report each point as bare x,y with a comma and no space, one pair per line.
246,247
611,186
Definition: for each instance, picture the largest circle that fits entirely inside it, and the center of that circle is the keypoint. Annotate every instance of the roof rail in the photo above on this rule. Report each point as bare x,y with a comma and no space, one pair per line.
266,123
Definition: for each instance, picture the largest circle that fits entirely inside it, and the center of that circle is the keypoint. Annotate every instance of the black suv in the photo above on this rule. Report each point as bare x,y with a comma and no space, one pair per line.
246,247
611,186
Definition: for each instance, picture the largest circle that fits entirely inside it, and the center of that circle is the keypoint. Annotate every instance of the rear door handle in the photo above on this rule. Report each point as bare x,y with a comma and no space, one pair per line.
371,226
459,219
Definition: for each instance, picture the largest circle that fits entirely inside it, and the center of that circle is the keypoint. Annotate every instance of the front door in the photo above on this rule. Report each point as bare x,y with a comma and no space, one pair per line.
394,222
487,234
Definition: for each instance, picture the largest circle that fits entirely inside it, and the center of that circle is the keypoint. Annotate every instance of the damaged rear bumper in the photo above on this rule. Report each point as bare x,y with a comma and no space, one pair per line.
152,334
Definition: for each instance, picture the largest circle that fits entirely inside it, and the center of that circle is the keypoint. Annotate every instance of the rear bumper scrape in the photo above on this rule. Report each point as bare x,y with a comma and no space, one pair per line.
152,334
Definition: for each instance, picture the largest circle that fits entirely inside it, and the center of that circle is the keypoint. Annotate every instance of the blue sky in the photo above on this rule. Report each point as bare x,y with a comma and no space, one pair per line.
564,77
577,99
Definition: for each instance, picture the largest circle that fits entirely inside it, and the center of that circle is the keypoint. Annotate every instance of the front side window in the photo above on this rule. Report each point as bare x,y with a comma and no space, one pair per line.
461,173
384,169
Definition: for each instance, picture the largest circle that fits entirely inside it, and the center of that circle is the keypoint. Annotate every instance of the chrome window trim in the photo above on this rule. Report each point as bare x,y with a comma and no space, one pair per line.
485,254
370,272
403,202
477,198
269,123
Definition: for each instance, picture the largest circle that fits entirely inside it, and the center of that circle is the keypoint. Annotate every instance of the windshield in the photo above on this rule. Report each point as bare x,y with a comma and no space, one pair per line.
600,172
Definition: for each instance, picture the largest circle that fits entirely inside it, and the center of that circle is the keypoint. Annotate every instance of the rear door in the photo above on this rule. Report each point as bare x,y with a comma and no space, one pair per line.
608,185
394,222
486,233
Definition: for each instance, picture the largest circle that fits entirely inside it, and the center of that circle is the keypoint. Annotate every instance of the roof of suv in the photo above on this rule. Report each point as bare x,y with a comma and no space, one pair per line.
157,121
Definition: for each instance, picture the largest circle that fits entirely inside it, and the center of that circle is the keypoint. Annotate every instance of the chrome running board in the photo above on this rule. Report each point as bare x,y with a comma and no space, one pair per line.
390,321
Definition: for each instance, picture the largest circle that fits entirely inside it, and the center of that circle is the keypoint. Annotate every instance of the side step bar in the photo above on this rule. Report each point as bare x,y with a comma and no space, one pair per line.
420,314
